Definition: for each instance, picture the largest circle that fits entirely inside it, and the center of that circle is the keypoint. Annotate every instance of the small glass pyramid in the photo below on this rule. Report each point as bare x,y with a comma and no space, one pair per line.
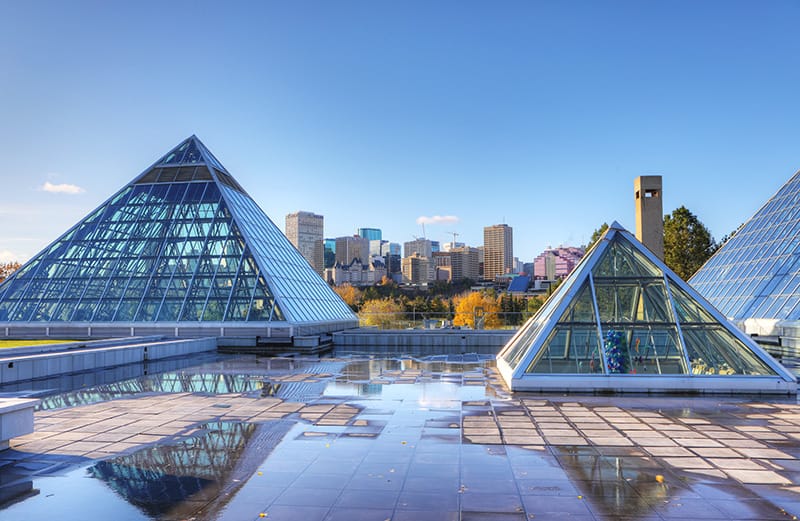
623,321
181,244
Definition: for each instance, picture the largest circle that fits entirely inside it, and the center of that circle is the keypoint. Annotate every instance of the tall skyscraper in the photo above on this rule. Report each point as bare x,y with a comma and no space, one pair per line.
350,248
370,234
464,261
304,230
330,252
498,244
421,246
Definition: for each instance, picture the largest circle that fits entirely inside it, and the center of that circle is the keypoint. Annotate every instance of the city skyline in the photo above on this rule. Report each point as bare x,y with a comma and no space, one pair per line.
451,116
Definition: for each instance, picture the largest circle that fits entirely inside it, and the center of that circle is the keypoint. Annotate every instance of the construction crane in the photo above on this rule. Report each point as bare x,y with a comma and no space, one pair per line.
454,234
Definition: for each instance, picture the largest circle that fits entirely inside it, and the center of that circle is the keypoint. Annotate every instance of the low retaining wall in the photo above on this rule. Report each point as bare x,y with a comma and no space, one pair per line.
422,341
44,365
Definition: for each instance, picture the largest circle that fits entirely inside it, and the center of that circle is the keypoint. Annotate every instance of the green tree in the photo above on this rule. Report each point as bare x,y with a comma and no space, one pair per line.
596,236
533,305
687,242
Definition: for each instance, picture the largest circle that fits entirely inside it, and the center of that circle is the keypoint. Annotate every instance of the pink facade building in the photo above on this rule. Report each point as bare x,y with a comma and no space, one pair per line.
556,263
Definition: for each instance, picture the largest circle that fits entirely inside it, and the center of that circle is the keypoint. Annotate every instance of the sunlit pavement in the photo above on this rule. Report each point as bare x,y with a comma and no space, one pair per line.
352,439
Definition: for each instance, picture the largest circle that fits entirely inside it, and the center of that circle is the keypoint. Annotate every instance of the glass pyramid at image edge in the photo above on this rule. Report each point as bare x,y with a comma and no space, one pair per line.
622,311
756,273
183,242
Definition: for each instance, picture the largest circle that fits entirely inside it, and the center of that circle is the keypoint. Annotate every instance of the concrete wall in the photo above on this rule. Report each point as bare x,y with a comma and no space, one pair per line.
45,365
421,342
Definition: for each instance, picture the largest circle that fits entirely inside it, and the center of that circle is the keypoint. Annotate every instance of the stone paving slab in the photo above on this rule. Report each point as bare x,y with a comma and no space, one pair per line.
422,444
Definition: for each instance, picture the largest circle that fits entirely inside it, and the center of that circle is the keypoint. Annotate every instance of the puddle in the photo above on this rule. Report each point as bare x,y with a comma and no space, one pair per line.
314,438
180,479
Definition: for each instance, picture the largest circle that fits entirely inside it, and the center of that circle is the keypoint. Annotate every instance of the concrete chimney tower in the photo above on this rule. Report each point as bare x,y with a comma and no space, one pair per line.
649,213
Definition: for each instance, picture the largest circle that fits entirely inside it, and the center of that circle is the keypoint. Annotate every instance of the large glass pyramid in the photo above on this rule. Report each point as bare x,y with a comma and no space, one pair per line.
756,274
182,244
623,321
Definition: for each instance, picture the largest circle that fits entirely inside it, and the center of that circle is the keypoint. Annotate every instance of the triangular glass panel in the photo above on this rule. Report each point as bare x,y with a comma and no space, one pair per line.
622,259
175,245
753,274
649,325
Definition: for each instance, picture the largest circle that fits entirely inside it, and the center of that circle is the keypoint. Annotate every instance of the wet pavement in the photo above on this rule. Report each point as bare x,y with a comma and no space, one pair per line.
394,439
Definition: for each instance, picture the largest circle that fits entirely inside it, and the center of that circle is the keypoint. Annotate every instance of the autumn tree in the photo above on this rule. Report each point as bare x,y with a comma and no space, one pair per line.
687,242
478,305
351,295
7,268
382,313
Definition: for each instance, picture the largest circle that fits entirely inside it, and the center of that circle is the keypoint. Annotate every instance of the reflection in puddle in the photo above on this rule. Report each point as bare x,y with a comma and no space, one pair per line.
199,473
620,486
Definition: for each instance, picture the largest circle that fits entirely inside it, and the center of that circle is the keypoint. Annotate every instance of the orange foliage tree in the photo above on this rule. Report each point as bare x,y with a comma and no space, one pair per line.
480,305
350,294
7,268
383,313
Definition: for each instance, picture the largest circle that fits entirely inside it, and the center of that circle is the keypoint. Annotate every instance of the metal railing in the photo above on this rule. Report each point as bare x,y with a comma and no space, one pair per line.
417,320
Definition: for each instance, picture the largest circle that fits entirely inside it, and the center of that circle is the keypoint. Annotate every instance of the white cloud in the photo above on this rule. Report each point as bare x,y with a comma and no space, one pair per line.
8,256
62,188
437,219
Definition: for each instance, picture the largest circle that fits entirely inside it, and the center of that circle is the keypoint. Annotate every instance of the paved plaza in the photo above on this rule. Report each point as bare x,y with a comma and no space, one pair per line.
395,439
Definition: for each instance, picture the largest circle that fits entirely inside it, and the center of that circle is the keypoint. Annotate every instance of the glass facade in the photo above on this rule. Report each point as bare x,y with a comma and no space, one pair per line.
756,273
371,234
182,243
622,312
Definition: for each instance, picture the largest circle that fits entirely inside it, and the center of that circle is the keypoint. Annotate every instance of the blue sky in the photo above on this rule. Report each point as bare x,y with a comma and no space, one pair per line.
536,114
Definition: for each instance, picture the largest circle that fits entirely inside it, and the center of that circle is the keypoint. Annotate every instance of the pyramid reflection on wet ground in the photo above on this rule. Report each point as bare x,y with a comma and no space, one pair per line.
401,439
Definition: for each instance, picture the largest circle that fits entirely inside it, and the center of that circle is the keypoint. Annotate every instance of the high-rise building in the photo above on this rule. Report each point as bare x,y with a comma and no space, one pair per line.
442,262
304,230
421,246
649,213
464,261
417,269
350,248
450,245
370,234
330,252
498,244
393,258
182,250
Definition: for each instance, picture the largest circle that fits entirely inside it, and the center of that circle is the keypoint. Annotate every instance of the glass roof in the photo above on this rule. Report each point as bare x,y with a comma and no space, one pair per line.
756,274
195,250
622,311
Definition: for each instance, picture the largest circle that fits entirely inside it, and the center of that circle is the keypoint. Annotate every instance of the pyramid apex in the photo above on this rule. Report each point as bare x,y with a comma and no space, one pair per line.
616,226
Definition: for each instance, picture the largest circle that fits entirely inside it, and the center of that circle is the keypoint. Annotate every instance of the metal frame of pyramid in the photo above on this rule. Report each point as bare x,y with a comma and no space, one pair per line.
622,321
182,250
754,278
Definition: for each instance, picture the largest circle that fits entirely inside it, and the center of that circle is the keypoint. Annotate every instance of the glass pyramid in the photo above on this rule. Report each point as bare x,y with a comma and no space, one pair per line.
181,243
756,274
623,321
